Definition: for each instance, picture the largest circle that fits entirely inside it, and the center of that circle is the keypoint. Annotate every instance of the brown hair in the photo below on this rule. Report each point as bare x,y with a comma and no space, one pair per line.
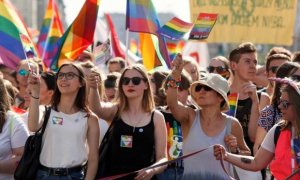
294,98
243,48
147,102
276,57
279,50
4,104
80,101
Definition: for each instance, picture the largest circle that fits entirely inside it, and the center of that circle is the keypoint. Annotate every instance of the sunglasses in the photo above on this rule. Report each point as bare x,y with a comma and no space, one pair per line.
284,104
273,69
135,80
198,88
68,75
295,77
218,69
23,72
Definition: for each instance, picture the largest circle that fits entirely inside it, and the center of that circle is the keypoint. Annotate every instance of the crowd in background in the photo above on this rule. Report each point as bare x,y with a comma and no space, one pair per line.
153,117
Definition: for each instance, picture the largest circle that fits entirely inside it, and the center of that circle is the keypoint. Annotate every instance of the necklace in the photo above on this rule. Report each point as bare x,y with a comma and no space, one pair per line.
134,124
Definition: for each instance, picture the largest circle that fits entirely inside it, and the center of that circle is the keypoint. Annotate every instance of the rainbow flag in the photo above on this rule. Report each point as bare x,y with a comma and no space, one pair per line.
78,36
175,29
141,17
11,26
203,26
233,100
174,47
134,47
28,46
50,32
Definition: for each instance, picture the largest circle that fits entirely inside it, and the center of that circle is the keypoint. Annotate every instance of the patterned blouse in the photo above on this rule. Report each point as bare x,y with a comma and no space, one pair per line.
266,118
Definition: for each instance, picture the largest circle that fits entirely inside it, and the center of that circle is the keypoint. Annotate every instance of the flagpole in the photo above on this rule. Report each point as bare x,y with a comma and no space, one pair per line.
24,52
127,46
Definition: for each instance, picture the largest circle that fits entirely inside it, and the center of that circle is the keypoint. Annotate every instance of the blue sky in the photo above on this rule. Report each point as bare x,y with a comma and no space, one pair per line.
179,8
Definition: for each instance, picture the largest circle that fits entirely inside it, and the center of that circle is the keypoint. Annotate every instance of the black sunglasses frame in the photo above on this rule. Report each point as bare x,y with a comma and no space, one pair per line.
219,69
135,80
198,88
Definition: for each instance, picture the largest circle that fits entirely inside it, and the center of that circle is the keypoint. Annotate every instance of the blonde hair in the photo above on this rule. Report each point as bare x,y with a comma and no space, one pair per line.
147,102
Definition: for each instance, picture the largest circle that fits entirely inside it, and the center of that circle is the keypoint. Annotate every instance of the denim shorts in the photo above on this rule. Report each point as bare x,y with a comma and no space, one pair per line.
171,173
44,175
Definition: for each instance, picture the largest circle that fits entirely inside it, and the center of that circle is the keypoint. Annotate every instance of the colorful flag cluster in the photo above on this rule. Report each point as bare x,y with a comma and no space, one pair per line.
233,100
175,29
203,26
102,53
11,26
141,17
134,47
50,32
78,36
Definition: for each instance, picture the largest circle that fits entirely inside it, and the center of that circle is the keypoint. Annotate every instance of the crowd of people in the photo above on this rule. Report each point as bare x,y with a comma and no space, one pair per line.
148,118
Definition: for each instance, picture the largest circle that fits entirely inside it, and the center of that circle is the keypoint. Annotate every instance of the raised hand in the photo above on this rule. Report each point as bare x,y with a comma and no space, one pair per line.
250,89
34,84
177,65
94,79
231,142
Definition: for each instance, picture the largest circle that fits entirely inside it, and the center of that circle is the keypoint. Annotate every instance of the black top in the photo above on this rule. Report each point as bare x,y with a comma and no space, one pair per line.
130,148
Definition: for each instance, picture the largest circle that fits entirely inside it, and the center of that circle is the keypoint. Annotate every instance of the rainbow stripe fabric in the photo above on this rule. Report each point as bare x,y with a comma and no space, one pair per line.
78,36
203,26
11,26
174,47
141,17
233,100
50,32
175,29
28,46
134,47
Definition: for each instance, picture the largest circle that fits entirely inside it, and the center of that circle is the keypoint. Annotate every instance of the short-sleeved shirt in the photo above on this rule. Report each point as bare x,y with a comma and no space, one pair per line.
268,143
14,135
267,117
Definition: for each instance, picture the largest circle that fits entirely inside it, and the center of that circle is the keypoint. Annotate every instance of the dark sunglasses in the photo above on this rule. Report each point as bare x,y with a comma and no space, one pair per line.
295,77
68,75
23,72
219,69
198,88
284,103
135,80
273,69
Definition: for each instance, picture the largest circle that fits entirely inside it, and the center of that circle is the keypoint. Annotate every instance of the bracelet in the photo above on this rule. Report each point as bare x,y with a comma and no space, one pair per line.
173,83
35,97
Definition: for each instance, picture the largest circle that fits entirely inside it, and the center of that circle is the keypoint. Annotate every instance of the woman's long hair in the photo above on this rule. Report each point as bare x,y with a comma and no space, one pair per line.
80,101
4,104
147,102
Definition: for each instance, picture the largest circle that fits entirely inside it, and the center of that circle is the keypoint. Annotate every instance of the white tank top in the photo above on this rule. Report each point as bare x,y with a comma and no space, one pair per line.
64,141
203,165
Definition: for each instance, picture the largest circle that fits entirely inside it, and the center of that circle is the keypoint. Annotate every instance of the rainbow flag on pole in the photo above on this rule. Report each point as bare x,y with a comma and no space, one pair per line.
233,100
174,47
175,29
141,17
78,36
28,46
50,32
203,26
11,26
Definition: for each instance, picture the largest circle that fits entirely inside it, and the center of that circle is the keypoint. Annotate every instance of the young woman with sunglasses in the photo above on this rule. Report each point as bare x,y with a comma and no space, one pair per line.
271,114
71,137
206,125
138,138
219,65
281,144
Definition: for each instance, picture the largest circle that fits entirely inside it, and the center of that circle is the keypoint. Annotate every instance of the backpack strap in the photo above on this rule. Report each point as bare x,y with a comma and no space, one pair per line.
276,134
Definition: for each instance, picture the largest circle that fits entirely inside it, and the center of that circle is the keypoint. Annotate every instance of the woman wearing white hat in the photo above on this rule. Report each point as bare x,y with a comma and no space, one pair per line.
206,125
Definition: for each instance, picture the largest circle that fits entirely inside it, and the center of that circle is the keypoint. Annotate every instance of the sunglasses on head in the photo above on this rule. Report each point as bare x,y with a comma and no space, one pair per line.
23,72
135,80
273,69
219,69
284,104
295,77
68,75
198,88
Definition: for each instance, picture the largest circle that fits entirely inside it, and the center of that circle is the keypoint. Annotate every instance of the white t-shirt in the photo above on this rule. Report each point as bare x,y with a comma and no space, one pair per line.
268,143
64,140
14,135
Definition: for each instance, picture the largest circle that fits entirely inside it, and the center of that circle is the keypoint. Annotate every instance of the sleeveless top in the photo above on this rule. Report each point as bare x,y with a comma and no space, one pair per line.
174,137
203,165
130,148
64,140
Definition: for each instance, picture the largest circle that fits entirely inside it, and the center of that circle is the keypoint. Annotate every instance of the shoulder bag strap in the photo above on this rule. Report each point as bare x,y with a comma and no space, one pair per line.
46,118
